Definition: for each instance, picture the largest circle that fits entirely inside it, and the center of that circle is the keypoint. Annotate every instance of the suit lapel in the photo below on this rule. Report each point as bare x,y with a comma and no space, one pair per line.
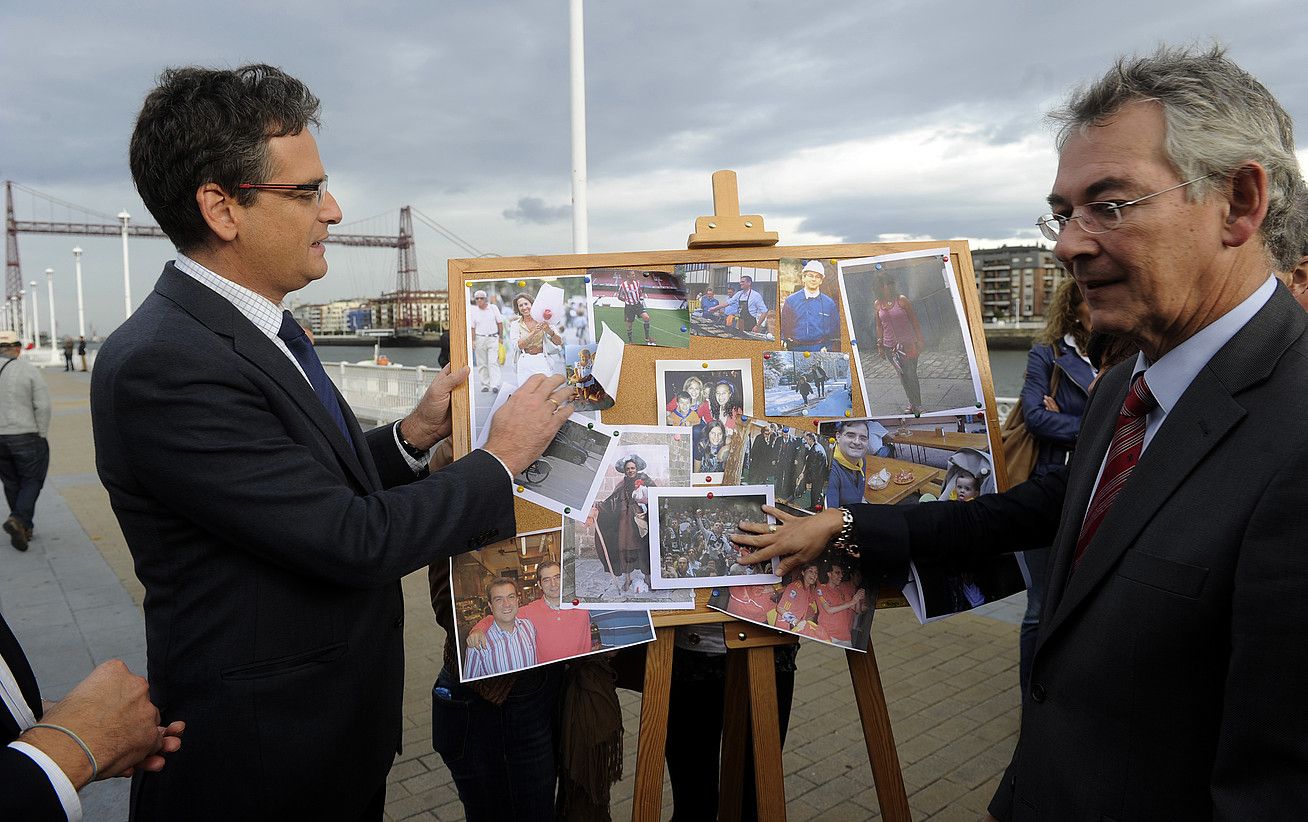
22,671
223,318
1203,416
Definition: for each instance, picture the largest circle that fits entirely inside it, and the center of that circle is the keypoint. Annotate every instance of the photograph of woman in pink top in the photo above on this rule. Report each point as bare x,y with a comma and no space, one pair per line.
899,337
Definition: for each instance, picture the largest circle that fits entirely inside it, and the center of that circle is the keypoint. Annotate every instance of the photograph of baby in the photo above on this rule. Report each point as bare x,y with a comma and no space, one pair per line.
913,349
508,614
710,398
796,463
565,478
606,561
579,371
734,302
649,306
810,305
822,600
690,536
520,327
806,384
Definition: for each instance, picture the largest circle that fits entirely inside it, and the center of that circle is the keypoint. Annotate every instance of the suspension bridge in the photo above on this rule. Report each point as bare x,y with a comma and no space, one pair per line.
48,214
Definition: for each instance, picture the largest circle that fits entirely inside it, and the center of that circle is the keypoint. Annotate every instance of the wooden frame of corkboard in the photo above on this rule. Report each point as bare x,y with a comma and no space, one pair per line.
750,658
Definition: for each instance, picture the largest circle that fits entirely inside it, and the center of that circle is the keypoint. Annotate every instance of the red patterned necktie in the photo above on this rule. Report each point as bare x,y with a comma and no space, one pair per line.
1123,454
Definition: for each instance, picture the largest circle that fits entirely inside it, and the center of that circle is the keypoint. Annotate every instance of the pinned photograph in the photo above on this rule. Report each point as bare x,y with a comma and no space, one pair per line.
734,302
911,340
690,536
923,460
710,398
796,463
822,600
580,373
520,327
606,561
810,305
508,614
806,384
650,306
566,478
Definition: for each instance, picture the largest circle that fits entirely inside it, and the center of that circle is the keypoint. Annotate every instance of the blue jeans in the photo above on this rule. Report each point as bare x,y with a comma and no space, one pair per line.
24,461
1037,563
501,756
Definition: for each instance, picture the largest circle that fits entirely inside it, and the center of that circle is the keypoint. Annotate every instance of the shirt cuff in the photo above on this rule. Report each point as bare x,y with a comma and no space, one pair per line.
502,465
58,779
416,465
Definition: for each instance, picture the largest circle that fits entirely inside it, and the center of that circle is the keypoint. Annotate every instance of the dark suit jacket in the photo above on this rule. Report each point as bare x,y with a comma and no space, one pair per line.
1169,674
270,555
25,790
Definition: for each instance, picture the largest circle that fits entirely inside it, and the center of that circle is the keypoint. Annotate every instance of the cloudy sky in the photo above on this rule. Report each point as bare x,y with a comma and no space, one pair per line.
846,121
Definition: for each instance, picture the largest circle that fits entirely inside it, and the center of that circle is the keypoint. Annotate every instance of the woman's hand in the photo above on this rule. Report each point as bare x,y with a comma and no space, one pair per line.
795,540
1051,404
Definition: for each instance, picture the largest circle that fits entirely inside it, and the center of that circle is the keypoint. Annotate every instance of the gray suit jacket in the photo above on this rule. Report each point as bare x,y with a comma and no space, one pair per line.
271,552
1169,673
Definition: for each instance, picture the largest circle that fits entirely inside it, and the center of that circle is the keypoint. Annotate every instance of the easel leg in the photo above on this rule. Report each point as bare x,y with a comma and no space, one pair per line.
769,779
735,724
878,736
647,803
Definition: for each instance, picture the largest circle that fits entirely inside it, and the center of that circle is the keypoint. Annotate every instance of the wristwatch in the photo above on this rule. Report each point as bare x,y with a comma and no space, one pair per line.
409,448
844,541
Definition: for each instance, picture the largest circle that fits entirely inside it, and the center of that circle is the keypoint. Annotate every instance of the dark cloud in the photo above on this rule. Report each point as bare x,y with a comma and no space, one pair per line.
534,210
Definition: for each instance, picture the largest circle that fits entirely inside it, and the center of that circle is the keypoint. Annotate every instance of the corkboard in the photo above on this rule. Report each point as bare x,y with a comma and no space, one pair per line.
636,404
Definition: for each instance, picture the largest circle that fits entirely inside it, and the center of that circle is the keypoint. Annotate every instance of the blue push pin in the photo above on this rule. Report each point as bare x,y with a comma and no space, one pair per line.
588,279
853,342
683,329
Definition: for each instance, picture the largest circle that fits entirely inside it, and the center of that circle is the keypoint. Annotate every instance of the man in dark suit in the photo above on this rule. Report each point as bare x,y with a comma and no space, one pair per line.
271,532
1167,680
44,763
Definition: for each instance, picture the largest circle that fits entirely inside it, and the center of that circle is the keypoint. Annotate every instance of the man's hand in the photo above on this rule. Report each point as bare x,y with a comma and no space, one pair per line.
796,540
528,421
430,419
476,639
111,712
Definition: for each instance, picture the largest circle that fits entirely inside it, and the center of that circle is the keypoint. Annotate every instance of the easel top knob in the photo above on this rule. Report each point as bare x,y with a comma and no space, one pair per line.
728,227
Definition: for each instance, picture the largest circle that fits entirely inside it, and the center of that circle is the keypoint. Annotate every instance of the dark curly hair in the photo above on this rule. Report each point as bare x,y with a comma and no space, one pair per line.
203,125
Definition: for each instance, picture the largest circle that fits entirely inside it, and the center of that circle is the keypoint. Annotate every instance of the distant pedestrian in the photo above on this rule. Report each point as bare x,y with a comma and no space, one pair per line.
68,353
804,389
24,452
81,350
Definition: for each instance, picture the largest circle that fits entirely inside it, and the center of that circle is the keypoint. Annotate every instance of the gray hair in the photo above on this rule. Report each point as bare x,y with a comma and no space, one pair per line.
1218,117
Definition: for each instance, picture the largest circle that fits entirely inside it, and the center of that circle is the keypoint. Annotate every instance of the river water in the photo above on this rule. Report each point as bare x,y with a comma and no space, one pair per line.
1008,367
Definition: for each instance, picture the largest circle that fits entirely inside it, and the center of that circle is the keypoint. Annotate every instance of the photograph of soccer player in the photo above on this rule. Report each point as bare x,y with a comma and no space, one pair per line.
647,307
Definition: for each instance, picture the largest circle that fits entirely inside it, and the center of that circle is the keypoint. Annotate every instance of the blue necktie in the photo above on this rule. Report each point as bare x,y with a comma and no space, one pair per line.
293,335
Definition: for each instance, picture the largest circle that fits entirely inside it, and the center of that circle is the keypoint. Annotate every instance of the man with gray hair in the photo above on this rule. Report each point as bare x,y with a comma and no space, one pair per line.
1165,682
24,452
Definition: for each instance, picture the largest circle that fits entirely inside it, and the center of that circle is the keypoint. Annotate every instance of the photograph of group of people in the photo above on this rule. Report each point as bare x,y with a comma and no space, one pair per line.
649,307
907,321
795,463
806,384
690,540
732,302
509,616
710,398
823,600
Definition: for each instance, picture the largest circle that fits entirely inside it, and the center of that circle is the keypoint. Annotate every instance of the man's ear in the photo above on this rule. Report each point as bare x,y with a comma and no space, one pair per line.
220,211
1299,277
1246,205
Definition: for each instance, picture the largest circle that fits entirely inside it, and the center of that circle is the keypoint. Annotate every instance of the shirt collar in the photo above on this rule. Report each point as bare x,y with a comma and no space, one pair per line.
1172,374
258,309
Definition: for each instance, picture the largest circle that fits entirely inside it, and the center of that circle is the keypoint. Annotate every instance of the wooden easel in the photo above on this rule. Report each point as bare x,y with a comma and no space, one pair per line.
751,649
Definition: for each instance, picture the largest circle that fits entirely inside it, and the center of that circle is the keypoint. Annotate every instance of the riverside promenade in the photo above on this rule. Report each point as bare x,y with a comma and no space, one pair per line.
73,601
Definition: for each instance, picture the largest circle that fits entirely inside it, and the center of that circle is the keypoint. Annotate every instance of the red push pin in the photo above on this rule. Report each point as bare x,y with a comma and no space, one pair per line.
576,602
767,355
817,507
708,479
710,495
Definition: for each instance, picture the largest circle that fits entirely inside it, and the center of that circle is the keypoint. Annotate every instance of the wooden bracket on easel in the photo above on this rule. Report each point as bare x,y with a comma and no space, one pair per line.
728,228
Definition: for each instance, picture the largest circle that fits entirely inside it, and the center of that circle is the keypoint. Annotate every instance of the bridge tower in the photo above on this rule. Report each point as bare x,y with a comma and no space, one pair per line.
13,269
407,316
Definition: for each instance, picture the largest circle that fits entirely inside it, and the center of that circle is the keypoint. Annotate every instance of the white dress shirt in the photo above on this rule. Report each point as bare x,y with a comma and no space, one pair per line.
12,697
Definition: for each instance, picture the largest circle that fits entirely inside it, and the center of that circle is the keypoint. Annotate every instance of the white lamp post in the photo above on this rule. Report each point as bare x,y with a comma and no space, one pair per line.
81,311
127,276
23,326
36,319
49,293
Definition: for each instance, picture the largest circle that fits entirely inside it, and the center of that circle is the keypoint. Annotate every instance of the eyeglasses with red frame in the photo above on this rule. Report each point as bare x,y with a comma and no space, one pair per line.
320,187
